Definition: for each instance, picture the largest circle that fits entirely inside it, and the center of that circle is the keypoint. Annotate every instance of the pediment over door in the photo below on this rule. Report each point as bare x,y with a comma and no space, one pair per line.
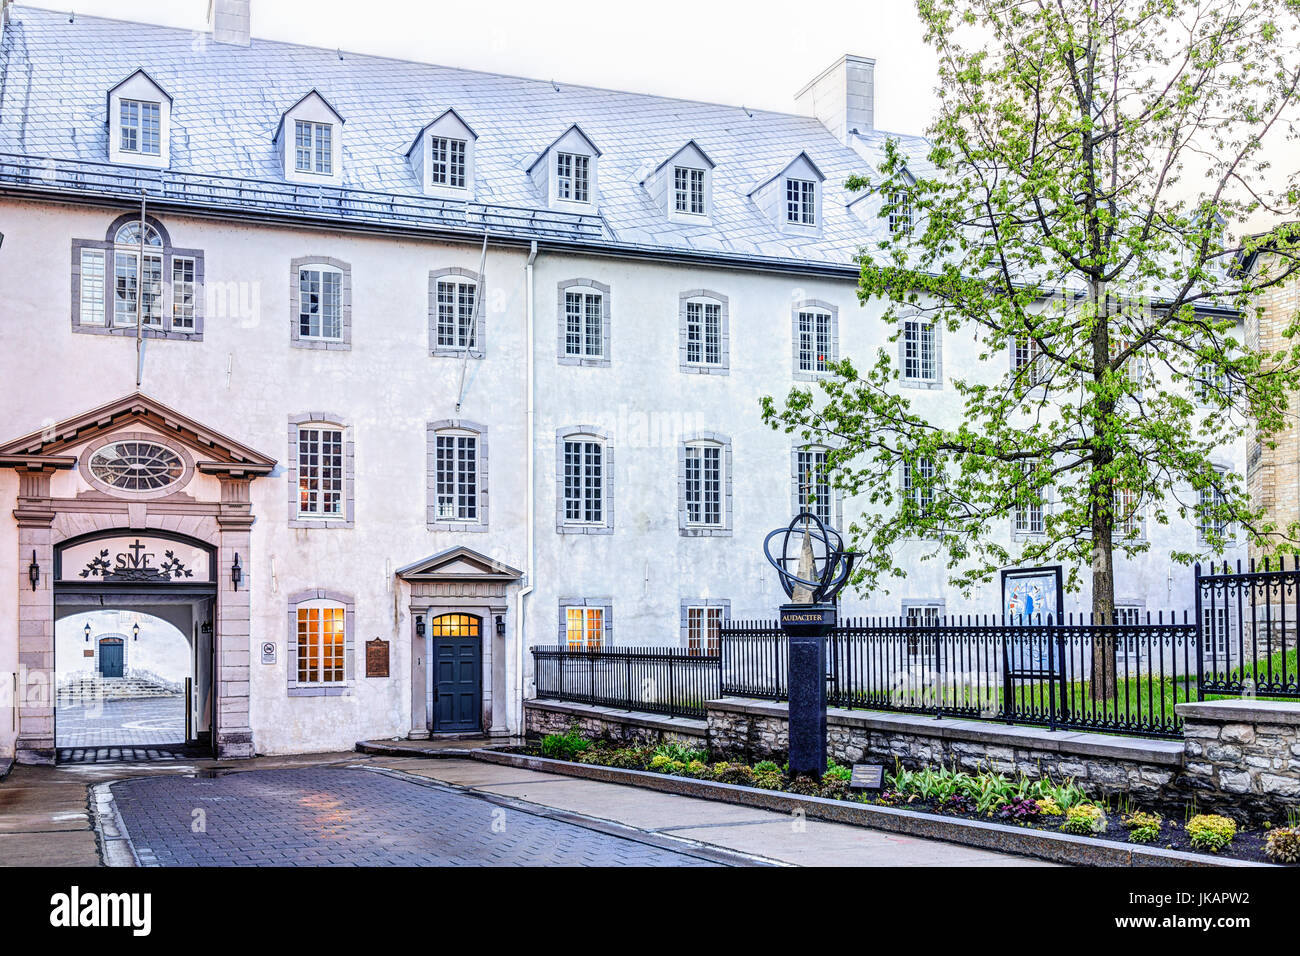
459,564
55,446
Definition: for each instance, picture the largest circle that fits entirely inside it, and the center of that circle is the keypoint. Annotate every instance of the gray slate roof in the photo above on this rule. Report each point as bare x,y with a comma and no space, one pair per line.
228,101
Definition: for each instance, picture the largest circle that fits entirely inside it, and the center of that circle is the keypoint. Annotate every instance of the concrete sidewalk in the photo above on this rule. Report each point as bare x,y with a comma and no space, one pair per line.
45,818
773,836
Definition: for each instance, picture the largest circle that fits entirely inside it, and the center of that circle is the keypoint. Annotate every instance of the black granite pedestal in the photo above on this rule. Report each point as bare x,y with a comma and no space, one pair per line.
807,626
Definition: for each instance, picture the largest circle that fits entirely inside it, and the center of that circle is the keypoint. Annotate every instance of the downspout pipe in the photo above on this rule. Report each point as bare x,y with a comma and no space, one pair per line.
530,497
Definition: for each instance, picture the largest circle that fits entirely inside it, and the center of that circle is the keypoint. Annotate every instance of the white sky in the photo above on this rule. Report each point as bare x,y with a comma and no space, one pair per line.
757,53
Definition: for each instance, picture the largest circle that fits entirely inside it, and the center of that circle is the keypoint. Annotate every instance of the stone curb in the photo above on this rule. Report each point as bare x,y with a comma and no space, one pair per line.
6,765
115,848
382,750
1042,844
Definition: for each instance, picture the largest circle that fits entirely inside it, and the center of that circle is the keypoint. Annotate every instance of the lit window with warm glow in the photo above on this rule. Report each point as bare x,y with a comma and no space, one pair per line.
320,644
585,627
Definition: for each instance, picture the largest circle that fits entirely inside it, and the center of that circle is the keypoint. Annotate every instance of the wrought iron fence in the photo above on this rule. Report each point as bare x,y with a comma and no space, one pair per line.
1248,619
658,680
1125,676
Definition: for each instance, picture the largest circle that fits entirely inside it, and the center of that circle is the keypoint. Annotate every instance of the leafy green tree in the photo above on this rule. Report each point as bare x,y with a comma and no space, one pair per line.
1069,226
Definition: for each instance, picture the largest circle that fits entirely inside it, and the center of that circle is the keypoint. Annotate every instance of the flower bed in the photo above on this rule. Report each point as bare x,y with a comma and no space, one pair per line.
1039,804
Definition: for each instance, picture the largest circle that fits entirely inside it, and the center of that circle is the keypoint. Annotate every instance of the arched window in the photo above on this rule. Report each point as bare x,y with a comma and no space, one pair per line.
704,485
321,470
121,281
320,303
705,340
458,481
319,647
585,468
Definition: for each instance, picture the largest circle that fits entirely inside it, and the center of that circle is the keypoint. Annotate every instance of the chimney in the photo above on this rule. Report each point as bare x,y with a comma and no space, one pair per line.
229,21
843,96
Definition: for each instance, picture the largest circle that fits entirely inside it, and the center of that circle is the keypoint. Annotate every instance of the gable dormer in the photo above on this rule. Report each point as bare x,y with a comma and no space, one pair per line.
310,142
792,198
442,157
139,122
682,185
870,207
566,172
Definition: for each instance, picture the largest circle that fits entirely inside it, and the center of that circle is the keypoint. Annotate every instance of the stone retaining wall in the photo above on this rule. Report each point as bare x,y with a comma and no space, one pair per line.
1147,769
542,717
1237,757
1243,756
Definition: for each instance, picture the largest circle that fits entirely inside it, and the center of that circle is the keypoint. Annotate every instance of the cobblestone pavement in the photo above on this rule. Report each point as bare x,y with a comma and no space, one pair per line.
323,816
128,723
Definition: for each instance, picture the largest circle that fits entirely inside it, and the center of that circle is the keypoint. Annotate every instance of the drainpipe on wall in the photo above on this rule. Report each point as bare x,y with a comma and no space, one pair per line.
529,496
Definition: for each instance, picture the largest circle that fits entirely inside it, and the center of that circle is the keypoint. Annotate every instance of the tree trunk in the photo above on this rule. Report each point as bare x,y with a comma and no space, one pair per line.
1102,492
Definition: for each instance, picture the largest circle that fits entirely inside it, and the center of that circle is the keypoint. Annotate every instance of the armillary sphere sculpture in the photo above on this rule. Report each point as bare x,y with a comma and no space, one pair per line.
821,569
821,564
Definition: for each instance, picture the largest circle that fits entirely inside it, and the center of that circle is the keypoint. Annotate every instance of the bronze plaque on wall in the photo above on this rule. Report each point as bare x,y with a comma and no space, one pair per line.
376,658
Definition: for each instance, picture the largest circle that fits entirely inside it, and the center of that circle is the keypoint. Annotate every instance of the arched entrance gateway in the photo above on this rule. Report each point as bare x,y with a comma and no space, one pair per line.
133,505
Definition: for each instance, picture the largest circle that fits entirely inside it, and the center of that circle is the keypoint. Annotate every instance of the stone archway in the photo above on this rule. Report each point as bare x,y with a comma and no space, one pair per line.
46,519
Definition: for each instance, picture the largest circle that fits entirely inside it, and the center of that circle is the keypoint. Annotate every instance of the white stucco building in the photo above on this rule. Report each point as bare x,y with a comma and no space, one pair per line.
436,366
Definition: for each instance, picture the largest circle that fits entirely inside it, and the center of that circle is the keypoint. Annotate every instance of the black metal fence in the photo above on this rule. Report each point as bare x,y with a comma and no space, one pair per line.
658,680
1248,621
1124,676
1121,676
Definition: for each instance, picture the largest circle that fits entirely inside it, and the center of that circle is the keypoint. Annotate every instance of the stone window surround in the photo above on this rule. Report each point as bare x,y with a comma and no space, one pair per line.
803,305
480,321
932,384
1230,535
607,480
606,604
1037,536
168,253
187,460
605,341
685,529
687,603
724,333
344,342
940,603
797,505
480,432
349,470
291,644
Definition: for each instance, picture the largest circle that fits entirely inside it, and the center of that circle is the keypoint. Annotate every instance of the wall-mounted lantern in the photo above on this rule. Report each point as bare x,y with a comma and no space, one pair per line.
87,632
419,625
135,632
236,572
501,626
34,572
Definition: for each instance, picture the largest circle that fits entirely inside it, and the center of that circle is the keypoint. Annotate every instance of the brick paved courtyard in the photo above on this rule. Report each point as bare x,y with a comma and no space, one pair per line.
330,816
151,720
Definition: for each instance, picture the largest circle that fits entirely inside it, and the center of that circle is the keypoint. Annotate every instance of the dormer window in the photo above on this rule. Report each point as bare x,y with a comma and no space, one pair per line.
313,147
309,140
792,198
682,185
900,219
140,127
139,122
442,157
801,201
447,162
566,172
572,177
688,190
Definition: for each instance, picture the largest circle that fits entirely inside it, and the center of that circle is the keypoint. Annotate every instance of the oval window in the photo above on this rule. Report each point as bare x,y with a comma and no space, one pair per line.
137,465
